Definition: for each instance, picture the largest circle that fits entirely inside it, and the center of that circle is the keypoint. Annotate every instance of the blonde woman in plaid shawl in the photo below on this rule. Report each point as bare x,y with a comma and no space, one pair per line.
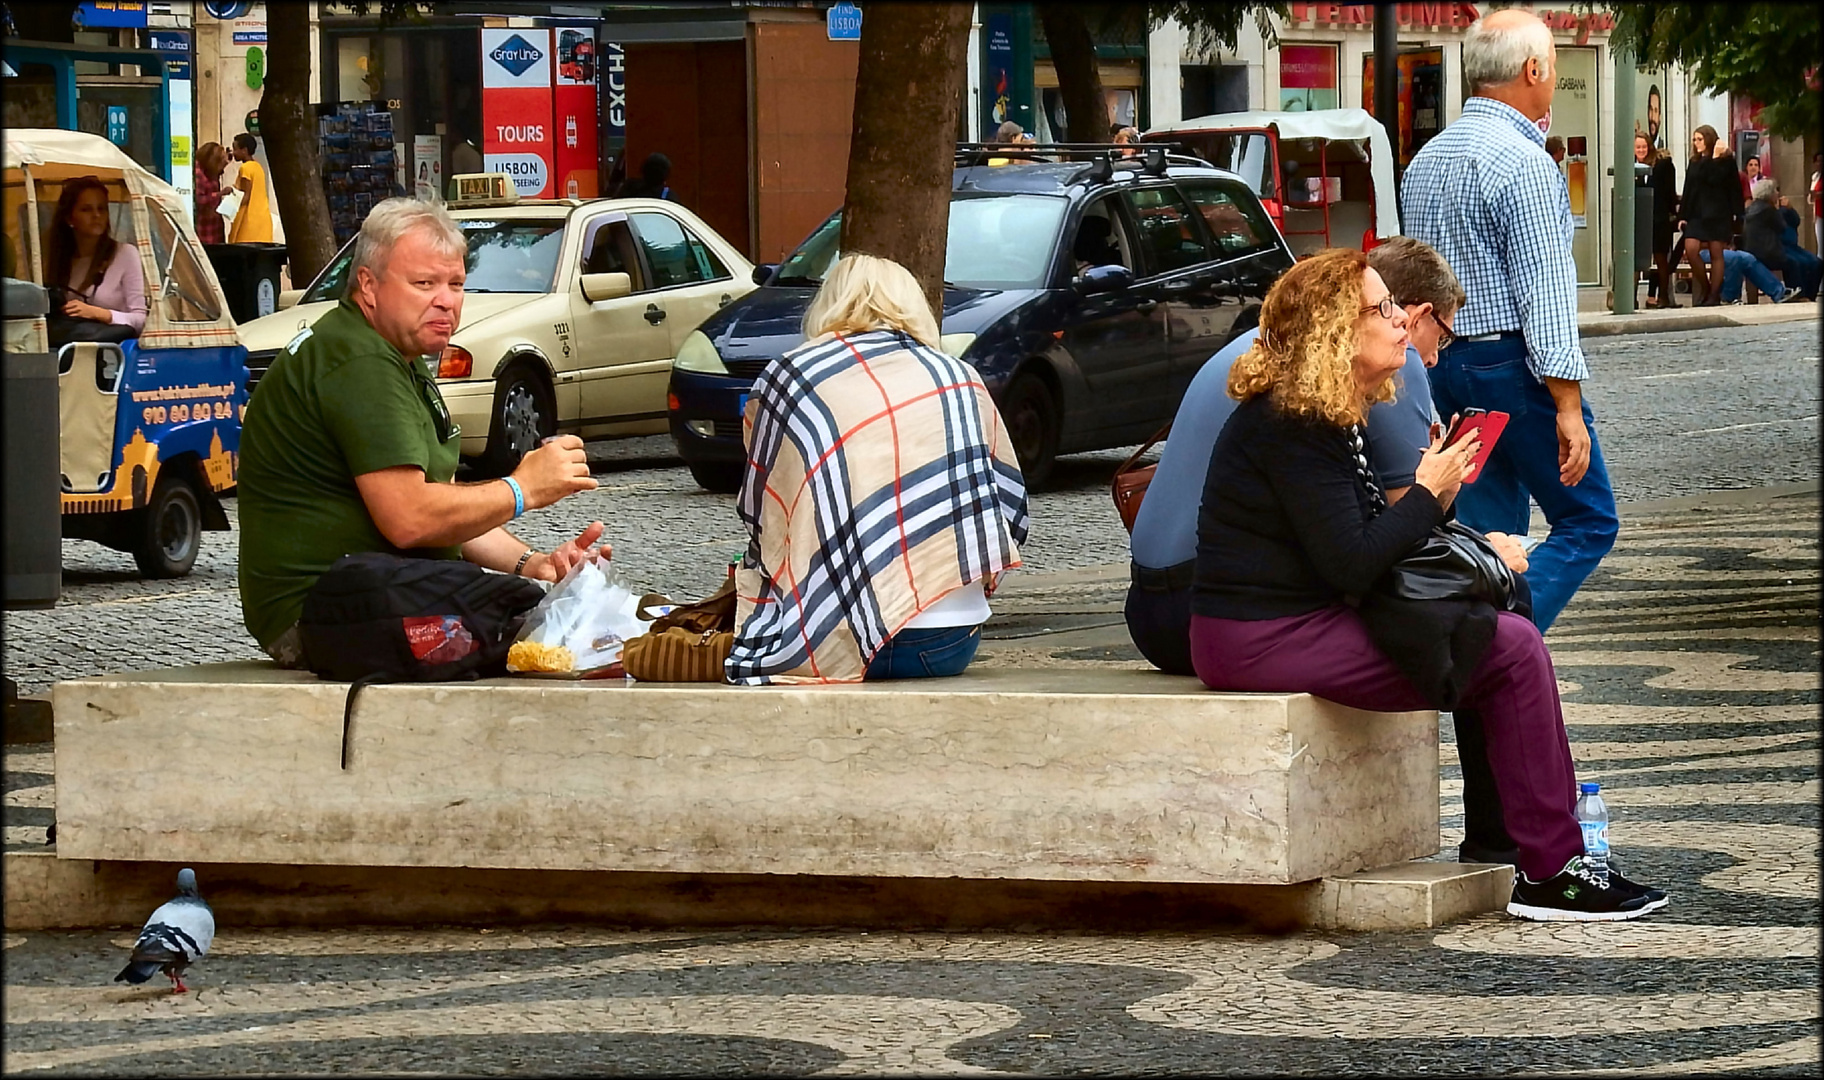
882,498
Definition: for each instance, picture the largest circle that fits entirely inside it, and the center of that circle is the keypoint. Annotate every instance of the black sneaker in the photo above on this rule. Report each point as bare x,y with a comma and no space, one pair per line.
1656,898
1792,295
1576,894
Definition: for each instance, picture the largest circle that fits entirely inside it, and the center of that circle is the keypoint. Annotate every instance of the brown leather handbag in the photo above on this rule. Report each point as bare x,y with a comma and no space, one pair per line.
1130,482
687,645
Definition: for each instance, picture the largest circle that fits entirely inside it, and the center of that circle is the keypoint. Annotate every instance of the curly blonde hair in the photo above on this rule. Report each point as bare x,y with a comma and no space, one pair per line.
1305,355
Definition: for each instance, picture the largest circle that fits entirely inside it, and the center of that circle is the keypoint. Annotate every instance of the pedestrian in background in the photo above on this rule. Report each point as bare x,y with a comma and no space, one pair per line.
1803,269
1751,173
1487,196
1707,213
1662,178
210,161
1817,199
253,224
655,172
1008,132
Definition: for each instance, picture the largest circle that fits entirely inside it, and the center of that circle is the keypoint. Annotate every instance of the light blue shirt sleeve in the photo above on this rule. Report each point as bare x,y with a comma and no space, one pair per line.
1399,430
1533,212
1165,532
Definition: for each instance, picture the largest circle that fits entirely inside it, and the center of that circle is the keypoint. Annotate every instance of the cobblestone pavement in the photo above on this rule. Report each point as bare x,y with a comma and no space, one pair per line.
1679,414
1690,669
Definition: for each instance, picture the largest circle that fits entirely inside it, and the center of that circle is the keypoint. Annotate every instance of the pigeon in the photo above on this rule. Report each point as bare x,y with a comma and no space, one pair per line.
177,935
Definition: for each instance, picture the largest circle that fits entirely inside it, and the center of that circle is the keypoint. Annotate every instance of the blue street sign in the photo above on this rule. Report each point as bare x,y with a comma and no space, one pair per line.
117,125
844,22
93,14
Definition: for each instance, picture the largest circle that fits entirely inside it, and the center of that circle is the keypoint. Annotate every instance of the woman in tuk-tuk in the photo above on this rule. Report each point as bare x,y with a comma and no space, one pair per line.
100,279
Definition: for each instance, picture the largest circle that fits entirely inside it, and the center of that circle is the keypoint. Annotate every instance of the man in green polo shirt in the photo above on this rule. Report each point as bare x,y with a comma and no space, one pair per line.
347,446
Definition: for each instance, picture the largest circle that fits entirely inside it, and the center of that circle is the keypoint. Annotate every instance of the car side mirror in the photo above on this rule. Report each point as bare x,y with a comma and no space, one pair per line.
1101,279
600,287
289,298
764,273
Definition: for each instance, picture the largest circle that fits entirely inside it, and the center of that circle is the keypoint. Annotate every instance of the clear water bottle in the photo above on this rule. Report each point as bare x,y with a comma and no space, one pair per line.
1593,819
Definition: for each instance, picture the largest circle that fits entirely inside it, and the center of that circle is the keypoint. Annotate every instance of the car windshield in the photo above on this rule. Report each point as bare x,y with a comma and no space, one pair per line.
995,242
504,257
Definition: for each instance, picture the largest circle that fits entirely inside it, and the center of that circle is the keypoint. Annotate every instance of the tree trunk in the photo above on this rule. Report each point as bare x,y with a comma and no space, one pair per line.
289,128
1073,55
902,149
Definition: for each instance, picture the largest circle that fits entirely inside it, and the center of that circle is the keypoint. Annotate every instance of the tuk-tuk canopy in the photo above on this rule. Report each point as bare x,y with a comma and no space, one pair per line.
186,308
1331,124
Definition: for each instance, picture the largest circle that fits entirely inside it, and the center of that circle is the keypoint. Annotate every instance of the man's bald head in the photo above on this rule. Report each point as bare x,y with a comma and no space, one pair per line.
1508,55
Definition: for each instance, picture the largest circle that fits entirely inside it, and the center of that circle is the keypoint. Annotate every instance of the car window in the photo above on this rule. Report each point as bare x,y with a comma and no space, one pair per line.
610,250
993,242
511,256
1101,238
1167,232
334,279
188,296
708,266
668,251
1238,225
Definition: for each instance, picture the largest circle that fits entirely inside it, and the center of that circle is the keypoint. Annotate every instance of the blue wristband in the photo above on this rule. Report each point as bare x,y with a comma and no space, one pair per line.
519,497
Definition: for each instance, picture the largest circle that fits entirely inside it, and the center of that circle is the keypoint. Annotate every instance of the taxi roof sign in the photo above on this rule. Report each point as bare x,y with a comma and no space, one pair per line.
482,189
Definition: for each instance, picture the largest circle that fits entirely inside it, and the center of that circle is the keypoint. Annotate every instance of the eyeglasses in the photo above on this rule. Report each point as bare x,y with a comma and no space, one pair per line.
1386,307
1445,337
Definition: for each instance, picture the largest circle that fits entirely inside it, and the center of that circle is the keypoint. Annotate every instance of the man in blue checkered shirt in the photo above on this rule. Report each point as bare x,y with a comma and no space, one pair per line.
1488,197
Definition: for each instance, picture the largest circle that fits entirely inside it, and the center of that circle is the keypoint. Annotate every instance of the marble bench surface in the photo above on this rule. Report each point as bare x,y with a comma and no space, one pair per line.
1040,774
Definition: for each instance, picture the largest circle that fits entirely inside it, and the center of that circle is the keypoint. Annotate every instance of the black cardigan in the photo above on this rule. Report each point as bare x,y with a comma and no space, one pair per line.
1286,526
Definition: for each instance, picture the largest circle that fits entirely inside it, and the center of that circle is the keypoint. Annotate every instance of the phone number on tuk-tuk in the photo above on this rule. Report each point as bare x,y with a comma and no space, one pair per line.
178,414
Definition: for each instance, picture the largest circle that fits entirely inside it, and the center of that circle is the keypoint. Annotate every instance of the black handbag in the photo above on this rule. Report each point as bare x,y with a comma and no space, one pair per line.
1454,563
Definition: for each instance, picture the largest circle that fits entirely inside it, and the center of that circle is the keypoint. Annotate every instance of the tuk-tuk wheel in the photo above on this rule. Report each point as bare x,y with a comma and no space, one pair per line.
172,531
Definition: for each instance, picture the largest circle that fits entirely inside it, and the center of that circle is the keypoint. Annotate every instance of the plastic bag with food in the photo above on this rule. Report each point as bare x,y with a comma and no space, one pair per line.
580,625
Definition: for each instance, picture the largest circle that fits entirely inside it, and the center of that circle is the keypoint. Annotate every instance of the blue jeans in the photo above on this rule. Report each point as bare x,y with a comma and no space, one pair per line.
1802,271
1493,375
925,653
1736,265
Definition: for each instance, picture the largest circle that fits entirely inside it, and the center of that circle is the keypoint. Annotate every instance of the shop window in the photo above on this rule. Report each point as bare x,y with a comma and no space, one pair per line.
187,294
1166,229
1236,223
669,252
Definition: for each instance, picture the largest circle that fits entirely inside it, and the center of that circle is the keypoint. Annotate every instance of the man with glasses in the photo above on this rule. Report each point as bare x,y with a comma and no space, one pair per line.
347,446
1488,197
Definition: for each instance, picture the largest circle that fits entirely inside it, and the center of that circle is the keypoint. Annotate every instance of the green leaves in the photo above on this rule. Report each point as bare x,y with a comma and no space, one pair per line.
1770,52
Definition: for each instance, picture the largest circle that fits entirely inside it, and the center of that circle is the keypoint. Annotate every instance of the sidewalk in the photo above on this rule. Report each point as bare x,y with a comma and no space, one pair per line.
1595,320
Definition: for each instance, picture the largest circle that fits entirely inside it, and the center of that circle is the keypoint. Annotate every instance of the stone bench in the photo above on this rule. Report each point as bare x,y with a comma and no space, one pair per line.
1057,775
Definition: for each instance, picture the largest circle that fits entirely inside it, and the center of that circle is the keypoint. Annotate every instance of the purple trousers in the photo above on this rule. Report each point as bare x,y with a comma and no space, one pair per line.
1329,653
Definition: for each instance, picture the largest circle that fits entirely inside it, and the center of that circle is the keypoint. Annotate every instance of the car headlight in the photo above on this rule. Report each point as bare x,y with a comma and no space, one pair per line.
698,354
955,344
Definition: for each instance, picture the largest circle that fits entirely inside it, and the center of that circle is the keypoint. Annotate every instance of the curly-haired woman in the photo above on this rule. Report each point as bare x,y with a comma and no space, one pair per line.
1293,528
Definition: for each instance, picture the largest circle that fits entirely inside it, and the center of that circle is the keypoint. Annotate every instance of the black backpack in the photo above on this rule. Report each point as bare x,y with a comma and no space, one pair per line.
379,618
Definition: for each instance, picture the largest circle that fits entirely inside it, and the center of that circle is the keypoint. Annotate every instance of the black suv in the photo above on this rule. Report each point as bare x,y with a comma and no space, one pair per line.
1087,292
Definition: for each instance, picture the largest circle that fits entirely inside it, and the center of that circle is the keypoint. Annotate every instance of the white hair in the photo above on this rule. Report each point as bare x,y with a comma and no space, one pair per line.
1765,189
391,219
1492,57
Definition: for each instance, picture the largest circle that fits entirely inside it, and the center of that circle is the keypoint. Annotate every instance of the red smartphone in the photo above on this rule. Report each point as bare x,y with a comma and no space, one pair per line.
1487,426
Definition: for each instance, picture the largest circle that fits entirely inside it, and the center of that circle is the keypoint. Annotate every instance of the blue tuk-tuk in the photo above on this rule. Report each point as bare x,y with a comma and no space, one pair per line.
150,424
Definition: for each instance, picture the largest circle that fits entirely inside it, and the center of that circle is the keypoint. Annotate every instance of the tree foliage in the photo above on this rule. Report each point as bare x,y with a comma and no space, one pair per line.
1769,52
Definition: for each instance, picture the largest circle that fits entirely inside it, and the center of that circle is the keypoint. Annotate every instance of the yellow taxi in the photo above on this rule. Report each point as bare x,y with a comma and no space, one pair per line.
572,313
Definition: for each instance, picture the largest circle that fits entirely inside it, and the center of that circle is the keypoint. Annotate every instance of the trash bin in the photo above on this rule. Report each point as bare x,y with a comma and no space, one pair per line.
34,524
1643,220
250,277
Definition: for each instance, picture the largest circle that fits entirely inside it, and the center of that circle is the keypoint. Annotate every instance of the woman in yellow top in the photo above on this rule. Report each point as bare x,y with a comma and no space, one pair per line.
253,224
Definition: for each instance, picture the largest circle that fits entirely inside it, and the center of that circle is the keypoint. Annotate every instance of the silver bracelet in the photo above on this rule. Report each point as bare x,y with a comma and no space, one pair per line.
521,564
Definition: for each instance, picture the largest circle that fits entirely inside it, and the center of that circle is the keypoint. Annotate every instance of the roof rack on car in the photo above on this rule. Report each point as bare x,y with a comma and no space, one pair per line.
1103,158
